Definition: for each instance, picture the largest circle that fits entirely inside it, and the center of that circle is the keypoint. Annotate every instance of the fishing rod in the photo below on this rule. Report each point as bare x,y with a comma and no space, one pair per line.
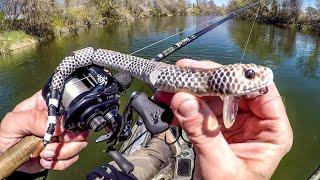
165,53
95,106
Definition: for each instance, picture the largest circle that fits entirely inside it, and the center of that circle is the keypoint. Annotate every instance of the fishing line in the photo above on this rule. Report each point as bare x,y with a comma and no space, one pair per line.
79,80
191,38
245,48
157,42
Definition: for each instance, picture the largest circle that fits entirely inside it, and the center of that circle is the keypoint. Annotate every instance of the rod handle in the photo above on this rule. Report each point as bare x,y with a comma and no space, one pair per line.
27,148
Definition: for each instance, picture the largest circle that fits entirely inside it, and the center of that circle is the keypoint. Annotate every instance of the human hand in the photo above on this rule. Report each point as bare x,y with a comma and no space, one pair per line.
251,149
30,118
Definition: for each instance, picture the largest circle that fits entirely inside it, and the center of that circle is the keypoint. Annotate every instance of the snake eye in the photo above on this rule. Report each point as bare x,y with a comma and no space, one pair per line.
249,73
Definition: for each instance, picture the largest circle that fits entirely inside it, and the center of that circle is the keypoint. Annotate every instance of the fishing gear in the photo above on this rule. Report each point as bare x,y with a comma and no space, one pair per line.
90,100
87,96
198,34
88,56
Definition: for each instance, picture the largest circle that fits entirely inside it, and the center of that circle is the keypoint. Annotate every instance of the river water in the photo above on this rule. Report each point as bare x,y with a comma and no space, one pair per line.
293,56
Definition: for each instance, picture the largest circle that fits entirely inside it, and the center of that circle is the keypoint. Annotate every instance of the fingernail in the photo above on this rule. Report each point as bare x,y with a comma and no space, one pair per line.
188,108
48,154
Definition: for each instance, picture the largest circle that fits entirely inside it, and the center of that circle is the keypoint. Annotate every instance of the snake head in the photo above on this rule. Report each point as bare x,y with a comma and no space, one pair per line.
241,79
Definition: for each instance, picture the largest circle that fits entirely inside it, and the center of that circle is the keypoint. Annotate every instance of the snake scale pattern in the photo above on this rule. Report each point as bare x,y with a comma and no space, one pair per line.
234,79
229,80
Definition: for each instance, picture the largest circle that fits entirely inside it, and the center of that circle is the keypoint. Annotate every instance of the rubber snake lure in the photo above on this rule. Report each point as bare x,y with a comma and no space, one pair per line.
229,81
232,80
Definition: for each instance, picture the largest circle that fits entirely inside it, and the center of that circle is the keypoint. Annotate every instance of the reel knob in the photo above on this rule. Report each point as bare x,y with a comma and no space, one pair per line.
98,123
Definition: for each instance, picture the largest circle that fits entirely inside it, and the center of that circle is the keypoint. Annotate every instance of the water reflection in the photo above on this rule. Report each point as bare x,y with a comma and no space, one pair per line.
309,62
266,42
270,43
293,56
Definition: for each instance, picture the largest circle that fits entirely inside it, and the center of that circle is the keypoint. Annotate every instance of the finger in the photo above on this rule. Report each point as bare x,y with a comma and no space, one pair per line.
268,106
202,128
198,121
198,64
58,164
245,127
244,106
62,151
34,102
20,124
73,136
192,116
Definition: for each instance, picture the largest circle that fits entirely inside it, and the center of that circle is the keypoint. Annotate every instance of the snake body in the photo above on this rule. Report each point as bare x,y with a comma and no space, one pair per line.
229,81
225,80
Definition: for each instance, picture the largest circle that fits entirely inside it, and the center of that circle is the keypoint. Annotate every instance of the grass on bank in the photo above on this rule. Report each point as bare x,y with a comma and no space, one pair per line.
13,40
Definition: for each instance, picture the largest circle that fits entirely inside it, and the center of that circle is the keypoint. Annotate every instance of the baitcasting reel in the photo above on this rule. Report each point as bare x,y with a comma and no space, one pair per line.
90,100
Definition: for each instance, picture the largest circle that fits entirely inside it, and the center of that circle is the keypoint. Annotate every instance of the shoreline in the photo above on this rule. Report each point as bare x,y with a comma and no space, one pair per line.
30,41
14,41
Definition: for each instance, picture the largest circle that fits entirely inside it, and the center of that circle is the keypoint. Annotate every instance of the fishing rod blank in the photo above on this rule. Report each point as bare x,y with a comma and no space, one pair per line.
183,43
122,76
198,34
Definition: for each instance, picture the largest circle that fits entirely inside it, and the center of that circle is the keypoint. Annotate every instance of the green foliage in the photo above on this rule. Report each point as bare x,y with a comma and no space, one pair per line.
181,7
57,22
10,38
195,11
2,21
50,17
154,12
286,13
107,9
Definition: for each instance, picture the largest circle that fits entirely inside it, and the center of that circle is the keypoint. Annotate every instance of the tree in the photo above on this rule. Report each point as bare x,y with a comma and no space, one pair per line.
66,4
294,7
311,11
182,7
274,7
212,8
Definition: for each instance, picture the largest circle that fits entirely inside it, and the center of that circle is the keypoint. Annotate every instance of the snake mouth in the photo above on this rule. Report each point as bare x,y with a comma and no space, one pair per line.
262,89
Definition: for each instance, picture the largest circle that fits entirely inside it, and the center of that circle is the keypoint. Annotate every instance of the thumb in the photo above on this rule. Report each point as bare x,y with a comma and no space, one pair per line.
201,125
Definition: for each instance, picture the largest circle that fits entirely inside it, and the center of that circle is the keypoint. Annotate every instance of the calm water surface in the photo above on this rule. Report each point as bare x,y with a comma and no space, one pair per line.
293,56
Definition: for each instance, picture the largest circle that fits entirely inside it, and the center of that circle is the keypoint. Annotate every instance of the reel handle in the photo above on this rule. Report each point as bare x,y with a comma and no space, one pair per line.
27,148
125,165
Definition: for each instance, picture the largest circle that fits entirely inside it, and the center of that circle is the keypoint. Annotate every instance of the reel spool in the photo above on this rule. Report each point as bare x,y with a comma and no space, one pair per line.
90,100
